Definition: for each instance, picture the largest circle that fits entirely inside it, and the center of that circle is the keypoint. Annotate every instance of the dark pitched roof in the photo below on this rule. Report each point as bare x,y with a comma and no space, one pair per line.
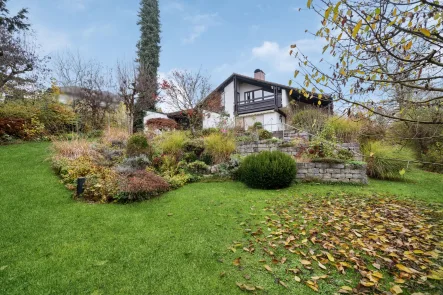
296,94
250,80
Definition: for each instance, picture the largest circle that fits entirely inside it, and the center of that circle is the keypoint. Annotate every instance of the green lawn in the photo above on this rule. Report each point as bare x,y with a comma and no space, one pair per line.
175,244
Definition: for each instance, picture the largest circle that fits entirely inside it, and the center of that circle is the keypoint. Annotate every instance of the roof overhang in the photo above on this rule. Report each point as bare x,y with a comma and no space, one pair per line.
296,93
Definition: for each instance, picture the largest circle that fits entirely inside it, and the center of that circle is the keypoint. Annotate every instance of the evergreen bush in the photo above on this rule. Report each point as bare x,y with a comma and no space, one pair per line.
267,170
137,145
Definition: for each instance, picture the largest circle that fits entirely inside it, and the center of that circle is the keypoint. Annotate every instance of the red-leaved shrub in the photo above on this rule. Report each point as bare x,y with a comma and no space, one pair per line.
161,124
141,185
12,127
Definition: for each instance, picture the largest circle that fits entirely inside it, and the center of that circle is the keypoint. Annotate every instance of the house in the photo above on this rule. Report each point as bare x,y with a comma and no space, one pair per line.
246,100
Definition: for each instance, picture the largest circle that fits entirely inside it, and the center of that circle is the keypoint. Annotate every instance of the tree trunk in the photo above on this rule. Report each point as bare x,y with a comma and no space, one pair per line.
130,123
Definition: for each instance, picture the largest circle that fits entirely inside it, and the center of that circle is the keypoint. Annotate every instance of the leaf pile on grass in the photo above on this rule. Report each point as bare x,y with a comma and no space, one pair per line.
381,246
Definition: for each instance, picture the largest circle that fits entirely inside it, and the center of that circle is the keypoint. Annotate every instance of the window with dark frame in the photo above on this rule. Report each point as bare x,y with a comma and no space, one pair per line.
256,95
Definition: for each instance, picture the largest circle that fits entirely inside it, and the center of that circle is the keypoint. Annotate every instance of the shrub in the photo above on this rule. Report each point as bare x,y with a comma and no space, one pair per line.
267,170
12,127
345,154
328,160
197,167
73,149
133,163
17,110
244,138
161,124
115,137
346,130
257,126
381,159
95,133
311,120
141,185
57,118
173,143
374,129
287,144
434,155
169,165
207,158
137,145
190,157
219,146
52,117
195,145
209,131
179,180
320,149
101,186
264,134
71,169
275,140
356,164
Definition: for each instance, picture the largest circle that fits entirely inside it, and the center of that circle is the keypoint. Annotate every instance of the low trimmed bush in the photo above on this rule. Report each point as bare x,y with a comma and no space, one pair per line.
264,134
267,170
137,145
141,185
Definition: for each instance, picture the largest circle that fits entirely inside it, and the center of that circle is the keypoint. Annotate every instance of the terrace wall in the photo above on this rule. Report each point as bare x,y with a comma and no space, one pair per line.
247,148
325,172
329,172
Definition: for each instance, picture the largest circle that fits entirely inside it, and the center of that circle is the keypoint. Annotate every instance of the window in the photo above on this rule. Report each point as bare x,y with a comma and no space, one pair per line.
256,96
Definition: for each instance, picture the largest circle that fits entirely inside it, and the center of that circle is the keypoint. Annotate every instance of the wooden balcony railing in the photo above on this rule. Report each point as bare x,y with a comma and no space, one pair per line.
258,101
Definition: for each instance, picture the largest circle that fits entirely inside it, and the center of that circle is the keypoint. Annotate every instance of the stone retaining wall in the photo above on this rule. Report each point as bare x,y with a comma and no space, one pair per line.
329,172
247,148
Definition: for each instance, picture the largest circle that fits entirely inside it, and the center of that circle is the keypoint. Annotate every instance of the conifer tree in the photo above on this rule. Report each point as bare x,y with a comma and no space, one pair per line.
148,51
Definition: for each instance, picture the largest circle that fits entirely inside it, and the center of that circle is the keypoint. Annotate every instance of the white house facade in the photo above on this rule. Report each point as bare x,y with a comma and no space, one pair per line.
249,100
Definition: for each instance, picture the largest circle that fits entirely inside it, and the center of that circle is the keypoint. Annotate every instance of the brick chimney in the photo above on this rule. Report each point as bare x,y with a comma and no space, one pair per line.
259,75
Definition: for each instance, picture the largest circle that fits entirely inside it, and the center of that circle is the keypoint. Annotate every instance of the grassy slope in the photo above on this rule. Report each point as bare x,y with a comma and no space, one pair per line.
51,244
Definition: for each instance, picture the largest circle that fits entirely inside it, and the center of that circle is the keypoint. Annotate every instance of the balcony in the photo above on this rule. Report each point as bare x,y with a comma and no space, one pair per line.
257,101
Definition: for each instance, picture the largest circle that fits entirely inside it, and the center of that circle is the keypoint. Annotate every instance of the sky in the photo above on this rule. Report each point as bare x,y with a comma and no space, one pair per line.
218,36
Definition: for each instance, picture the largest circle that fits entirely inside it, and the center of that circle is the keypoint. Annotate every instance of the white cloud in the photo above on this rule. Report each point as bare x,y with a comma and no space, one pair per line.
196,32
200,24
278,58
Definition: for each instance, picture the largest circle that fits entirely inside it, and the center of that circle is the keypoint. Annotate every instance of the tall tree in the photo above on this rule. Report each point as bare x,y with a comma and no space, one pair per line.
385,56
148,56
89,84
132,82
20,65
185,92
13,23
